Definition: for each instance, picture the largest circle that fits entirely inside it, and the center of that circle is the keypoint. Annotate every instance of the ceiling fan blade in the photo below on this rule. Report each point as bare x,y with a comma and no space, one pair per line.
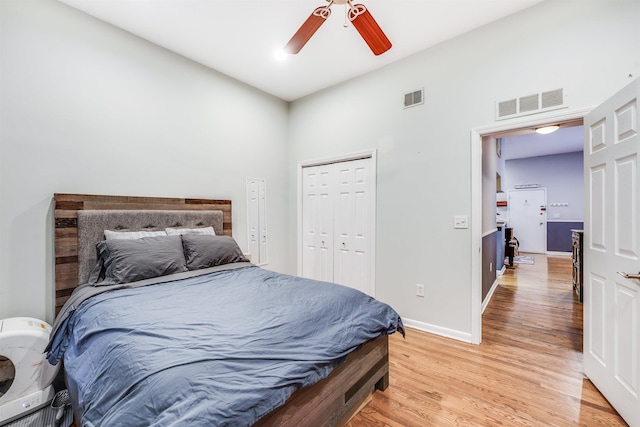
369,29
308,29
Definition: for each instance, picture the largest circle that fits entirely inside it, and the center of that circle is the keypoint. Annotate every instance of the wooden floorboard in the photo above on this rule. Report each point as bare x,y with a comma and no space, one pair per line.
527,371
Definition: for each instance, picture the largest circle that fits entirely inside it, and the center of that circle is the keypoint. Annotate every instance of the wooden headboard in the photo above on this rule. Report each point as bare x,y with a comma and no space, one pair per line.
66,227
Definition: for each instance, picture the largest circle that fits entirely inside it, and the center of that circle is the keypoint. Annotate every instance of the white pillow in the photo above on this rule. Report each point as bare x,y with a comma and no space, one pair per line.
179,231
112,235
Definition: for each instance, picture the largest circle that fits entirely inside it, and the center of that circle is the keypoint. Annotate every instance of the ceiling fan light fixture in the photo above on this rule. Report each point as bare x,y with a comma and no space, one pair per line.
308,29
359,16
280,55
369,29
547,129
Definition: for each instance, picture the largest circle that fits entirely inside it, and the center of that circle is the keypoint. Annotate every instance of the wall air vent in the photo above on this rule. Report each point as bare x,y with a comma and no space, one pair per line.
414,98
530,104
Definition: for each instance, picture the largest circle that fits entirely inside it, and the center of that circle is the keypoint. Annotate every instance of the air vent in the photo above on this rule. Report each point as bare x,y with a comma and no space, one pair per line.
553,98
508,108
413,98
530,104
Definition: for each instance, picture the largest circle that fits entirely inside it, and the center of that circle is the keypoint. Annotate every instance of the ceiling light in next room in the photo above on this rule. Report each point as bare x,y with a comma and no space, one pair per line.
547,129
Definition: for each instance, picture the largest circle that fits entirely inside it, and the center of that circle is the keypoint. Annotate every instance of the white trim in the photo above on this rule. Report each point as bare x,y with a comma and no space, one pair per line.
365,154
486,233
476,198
532,122
476,240
558,253
485,303
437,330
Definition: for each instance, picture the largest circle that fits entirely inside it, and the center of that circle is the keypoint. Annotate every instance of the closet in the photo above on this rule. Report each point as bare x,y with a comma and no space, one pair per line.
338,223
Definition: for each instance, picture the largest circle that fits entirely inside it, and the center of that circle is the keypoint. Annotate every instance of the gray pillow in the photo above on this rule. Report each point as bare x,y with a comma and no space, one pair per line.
124,260
203,251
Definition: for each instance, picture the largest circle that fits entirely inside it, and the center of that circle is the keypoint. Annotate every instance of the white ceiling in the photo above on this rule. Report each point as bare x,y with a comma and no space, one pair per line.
239,37
564,140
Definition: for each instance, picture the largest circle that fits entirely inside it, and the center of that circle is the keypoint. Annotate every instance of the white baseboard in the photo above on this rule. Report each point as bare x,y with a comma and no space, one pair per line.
554,253
437,330
487,299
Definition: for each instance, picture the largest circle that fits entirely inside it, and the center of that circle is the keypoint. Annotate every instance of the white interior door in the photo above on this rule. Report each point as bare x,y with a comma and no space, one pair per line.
612,238
353,224
317,223
528,217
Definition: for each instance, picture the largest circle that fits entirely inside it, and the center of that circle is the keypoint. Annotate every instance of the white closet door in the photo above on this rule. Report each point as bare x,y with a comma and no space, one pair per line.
257,220
262,222
253,218
317,226
353,215
338,223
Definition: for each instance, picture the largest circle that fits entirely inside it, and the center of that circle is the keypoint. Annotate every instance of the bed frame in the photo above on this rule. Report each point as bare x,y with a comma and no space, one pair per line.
330,402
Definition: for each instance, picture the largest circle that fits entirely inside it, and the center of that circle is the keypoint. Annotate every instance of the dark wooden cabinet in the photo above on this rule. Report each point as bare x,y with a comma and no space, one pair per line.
577,239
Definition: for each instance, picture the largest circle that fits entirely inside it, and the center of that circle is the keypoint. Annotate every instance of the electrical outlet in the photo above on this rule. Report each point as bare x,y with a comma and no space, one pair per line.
420,290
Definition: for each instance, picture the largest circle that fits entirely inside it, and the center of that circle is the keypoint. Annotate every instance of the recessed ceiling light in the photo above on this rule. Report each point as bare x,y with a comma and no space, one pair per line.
547,129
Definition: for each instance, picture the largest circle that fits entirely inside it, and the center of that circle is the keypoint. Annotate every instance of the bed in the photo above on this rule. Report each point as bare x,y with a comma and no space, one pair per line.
206,338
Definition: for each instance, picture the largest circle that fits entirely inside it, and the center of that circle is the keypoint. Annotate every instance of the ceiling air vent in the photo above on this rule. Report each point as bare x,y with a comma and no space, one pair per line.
413,98
530,104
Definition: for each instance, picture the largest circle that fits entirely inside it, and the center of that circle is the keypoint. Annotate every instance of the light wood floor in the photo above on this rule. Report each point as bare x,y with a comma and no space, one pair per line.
526,372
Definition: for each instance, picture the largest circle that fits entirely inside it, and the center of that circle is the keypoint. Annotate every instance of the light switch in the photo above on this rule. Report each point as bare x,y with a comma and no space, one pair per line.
460,221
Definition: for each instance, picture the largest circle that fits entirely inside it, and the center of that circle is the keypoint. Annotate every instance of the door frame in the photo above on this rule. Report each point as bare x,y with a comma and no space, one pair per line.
365,154
558,116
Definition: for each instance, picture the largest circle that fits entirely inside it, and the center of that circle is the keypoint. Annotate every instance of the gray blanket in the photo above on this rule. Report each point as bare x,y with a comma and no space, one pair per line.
222,348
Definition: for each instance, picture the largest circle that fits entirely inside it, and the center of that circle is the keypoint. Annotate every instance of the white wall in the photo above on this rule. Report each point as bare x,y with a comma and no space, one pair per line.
88,108
589,48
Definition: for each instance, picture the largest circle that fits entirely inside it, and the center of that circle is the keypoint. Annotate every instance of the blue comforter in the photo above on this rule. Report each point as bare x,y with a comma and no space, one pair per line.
223,348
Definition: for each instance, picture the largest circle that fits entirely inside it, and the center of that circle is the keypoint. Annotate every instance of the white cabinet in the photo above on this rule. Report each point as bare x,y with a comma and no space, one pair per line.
257,220
338,223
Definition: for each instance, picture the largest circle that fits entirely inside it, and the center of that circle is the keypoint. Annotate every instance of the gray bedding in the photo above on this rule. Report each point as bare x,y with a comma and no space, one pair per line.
214,347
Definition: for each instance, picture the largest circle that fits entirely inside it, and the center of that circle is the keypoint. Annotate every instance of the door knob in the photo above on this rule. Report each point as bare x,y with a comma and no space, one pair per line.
629,276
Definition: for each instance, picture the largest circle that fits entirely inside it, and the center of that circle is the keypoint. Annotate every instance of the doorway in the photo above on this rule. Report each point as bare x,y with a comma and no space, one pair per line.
478,207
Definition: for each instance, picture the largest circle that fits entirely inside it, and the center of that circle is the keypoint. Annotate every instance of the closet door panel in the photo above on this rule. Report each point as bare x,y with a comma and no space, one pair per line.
352,255
317,227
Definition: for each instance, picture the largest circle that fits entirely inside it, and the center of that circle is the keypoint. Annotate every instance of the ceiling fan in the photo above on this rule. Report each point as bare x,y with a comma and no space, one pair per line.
359,17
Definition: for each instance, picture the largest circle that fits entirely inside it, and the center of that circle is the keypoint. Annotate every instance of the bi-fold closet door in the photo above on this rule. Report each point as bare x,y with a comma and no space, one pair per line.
338,223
